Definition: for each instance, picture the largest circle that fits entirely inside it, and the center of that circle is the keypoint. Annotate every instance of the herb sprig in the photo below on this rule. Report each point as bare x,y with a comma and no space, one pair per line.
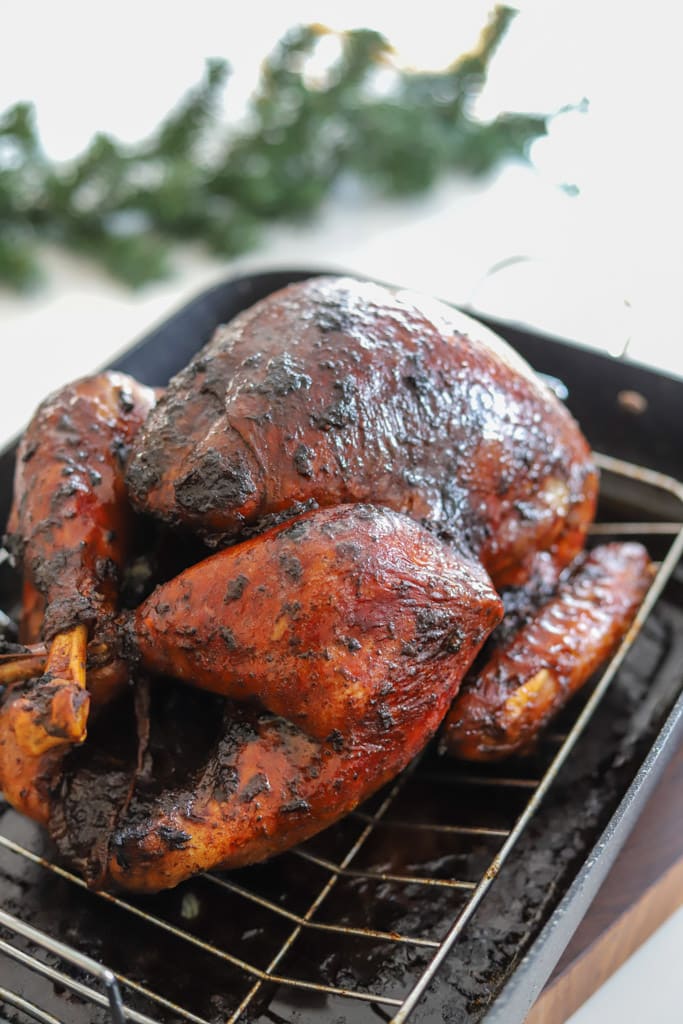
196,179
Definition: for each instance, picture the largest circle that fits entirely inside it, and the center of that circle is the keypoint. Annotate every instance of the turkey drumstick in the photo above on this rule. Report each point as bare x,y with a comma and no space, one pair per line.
70,529
70,520
502,706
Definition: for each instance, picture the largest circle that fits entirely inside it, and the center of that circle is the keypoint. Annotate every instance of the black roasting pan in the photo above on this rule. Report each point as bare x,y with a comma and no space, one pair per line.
529,907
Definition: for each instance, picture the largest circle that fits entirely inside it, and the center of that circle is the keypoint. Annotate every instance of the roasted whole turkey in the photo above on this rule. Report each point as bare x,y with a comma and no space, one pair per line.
337,502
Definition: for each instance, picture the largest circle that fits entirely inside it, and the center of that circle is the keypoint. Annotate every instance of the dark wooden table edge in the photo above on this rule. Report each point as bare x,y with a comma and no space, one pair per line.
643,888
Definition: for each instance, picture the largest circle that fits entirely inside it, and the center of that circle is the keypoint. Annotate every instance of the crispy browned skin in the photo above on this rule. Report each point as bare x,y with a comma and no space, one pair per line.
70,519
70,526
354,624
336,391
502,708
320,618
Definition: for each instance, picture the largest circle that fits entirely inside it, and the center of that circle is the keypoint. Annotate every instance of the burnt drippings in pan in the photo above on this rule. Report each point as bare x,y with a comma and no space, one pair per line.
126,935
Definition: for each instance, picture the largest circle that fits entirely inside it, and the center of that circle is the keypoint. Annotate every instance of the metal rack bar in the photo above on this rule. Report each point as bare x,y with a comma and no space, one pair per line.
71,955
366,933
19,1003
383,876
627,529
555,737
499,781
425,826
86,991
85,963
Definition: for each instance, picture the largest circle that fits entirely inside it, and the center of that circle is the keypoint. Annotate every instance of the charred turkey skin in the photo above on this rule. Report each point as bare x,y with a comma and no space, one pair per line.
336,391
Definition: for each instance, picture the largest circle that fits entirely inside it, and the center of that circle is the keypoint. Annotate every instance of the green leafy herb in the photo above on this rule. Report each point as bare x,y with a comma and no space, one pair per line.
195,179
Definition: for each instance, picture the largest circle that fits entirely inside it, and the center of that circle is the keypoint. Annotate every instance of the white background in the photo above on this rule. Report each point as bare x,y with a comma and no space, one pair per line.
603,267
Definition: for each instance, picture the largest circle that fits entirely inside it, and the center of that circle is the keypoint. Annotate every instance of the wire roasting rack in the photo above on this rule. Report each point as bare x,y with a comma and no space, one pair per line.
325,903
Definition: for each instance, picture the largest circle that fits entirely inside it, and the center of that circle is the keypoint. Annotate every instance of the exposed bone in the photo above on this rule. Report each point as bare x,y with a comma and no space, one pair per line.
21,667
32,661
56,714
